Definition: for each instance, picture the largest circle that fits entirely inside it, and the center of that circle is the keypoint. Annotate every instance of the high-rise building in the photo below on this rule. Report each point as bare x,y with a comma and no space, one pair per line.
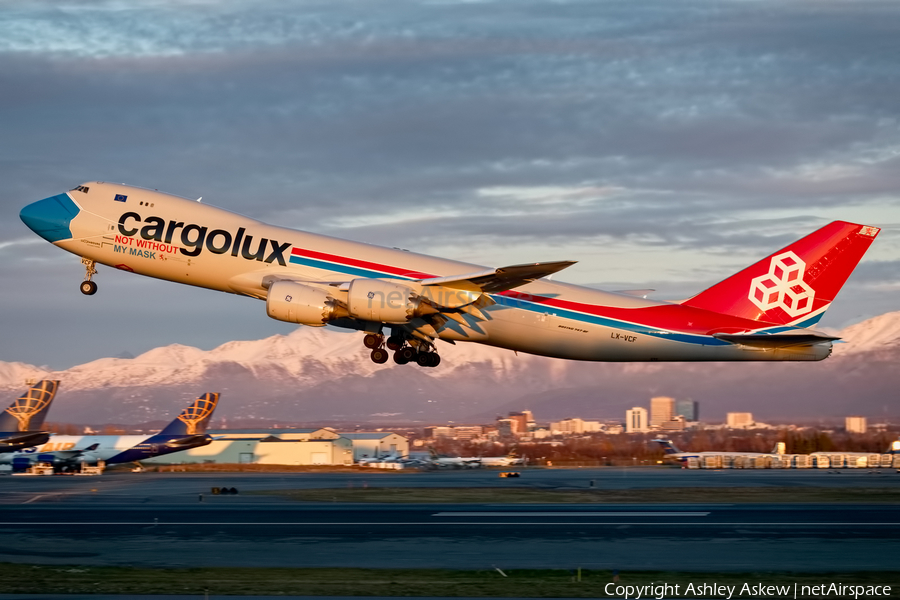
506,427
521,421
662,409
636,420
689,409
855,424
741,420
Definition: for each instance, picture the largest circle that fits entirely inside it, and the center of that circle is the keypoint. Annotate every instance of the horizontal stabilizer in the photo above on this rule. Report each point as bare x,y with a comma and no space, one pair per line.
191,441
501,279
23,440
778,340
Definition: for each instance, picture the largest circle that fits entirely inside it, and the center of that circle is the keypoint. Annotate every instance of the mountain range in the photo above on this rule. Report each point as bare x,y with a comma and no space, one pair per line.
322,374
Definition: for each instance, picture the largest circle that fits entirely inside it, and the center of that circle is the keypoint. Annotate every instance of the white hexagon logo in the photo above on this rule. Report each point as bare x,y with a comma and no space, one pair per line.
783,286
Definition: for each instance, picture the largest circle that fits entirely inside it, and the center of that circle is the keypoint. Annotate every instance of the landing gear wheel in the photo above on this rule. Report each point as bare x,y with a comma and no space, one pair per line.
398,358
379,355
88,287
394,343
428,359
408,354
372,341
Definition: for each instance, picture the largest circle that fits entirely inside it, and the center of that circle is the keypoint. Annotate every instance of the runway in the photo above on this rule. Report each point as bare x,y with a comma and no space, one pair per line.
159,520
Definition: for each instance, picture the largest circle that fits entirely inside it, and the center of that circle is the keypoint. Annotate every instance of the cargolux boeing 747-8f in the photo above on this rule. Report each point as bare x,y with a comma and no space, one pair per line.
762,313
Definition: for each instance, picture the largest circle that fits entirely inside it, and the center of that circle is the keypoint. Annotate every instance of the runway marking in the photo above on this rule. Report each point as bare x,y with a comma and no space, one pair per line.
572,514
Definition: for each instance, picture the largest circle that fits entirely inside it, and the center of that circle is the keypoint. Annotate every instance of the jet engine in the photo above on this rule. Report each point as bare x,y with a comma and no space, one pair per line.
297,303
385,301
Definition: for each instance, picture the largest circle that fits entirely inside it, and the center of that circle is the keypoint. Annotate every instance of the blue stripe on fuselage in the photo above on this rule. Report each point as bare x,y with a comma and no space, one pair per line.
529,306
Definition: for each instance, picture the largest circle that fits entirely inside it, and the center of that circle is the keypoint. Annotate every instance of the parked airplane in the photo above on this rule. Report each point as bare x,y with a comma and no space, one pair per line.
674,453
761,313
21,423
187,431
453,462
501,461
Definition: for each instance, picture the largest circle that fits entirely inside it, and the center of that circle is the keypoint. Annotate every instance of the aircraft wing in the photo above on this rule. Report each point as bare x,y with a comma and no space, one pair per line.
501,279
776,340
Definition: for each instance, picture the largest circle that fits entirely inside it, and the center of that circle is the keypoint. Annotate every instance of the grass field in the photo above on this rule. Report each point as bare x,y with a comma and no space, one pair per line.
23,579
631,496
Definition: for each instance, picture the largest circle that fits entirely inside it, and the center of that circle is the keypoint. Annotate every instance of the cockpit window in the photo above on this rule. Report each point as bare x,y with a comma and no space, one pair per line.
80,188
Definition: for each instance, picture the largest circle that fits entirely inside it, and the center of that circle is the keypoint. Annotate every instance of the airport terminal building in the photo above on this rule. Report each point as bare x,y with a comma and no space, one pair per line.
322,446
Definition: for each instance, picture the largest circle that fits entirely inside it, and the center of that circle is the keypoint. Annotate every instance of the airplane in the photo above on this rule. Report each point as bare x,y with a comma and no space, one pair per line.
674,453
20,424
452,462
763,312
393,457
187,431
501,461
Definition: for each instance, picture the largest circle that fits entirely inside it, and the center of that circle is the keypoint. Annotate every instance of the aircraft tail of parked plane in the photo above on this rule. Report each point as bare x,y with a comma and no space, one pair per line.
187,431
21,423
668,447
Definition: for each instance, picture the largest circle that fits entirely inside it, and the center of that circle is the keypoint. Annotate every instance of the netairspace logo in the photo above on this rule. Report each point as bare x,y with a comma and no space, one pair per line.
659,591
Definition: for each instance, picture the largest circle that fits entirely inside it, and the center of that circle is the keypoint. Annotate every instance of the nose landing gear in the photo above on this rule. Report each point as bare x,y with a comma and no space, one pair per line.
88,287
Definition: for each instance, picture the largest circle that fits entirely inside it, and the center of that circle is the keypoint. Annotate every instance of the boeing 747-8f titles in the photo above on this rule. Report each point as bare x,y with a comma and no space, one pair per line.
761,313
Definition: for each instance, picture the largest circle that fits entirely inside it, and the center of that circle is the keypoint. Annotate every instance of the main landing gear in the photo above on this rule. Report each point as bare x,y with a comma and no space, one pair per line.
88,287
422,354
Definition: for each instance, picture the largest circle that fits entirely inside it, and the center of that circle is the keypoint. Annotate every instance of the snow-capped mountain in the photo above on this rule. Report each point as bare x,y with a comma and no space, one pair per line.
320,374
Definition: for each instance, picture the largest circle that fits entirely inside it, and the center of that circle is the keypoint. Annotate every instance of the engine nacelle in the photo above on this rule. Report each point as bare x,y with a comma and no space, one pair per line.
297,303
385,301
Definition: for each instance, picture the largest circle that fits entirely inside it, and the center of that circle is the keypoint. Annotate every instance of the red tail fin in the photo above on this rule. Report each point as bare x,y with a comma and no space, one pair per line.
796,284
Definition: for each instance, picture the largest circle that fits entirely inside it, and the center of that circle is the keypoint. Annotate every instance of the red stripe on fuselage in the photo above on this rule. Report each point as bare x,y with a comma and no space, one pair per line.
362,264
668,317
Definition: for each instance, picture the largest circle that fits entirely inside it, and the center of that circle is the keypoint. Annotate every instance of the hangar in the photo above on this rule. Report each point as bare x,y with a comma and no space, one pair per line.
377,444
322,446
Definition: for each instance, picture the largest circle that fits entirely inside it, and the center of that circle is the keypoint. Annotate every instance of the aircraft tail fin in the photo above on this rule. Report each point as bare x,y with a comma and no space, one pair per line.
667,446
779,448
28,412
194,419
796,285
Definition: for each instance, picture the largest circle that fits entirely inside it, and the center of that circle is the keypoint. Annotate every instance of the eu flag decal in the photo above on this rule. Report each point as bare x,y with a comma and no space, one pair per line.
120,198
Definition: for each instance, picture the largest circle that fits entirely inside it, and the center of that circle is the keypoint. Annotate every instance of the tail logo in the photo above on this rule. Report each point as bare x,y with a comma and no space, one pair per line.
783,286
199,410
34,401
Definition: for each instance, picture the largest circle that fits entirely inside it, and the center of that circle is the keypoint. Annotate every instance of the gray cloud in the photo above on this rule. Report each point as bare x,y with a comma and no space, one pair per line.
701,128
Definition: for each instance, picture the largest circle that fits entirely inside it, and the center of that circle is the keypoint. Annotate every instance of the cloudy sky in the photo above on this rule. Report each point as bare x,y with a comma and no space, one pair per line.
661,144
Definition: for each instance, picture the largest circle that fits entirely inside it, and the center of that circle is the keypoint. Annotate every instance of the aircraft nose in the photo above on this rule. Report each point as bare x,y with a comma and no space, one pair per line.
50,217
